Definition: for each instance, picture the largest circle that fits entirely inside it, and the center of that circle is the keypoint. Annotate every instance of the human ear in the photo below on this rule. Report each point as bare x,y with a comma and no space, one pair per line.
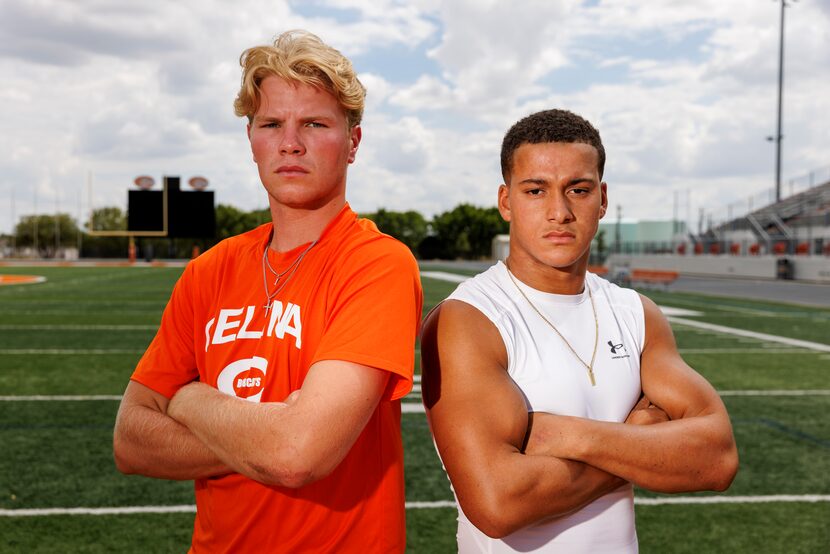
504,202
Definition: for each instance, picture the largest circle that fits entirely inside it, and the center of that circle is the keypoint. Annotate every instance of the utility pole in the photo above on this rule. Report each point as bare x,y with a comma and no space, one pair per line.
778,135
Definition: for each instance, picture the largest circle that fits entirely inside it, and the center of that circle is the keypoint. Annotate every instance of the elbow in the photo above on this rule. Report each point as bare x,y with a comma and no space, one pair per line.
121,453
492,516
290,469
725,469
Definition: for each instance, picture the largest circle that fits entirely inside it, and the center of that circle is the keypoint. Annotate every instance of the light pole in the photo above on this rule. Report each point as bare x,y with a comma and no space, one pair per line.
778,136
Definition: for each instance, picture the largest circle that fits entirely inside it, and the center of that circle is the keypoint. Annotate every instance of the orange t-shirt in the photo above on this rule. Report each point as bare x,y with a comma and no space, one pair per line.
355,296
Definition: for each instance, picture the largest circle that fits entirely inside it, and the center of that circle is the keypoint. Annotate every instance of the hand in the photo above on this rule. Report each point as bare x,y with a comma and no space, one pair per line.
646,413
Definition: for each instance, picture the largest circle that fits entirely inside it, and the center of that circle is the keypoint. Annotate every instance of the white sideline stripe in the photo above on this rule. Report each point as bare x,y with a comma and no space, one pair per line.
817,392
90,327
96,351
751,334
126,510
444,276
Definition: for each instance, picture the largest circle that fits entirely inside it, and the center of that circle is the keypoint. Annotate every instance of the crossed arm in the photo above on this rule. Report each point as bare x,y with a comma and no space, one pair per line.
479,420
202,432
480,423
693,450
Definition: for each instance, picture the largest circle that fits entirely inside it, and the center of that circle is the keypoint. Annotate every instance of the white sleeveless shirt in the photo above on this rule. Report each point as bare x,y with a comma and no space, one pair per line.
553,380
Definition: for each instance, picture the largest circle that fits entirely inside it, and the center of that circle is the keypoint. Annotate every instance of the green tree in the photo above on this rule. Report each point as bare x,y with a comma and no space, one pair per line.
46,233
408,227
466,231
109,218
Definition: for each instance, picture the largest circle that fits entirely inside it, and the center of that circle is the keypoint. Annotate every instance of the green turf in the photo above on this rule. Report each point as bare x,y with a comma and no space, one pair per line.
774,528
139,534
58,454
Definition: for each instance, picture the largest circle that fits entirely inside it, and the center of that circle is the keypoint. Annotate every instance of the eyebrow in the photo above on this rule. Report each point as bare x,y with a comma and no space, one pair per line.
305,119
543,181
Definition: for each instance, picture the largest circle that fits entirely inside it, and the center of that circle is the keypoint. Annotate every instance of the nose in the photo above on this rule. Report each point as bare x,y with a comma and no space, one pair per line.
291,141
559,208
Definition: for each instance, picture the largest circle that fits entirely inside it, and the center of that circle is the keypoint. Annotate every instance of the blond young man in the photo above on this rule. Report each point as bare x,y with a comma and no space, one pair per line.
551,392
275,375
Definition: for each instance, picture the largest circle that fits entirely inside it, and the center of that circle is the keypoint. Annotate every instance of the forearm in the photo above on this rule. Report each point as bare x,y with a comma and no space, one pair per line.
246,436
148,442
550,488
690,454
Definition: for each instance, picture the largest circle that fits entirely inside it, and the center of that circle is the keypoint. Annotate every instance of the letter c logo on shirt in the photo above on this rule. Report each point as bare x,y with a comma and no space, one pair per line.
244,378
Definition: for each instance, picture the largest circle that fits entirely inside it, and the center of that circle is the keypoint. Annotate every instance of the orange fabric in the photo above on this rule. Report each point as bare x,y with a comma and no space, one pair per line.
356,296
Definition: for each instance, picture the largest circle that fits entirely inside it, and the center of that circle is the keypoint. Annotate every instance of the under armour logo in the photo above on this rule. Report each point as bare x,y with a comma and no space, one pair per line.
615,347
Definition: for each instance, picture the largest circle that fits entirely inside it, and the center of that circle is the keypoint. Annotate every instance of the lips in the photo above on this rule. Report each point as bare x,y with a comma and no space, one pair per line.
289,170
559,237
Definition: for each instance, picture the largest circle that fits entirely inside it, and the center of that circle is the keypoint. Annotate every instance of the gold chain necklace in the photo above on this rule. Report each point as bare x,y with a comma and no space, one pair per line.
589,367
292,268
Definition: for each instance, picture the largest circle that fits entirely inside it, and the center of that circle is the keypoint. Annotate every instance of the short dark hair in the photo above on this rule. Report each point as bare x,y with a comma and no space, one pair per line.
550,126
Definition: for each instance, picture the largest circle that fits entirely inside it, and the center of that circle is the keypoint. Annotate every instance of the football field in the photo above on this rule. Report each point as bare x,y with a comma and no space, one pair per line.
68,346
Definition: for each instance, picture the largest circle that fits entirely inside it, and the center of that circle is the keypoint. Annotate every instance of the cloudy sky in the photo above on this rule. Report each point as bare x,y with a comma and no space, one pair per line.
683,93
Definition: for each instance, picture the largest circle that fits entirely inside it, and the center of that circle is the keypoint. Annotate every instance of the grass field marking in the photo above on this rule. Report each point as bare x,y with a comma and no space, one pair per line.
21,279
406,407
816,392
79,327
60,398
762,350
445,276
125,510
732,499
416,505
67,351
751,334
669,311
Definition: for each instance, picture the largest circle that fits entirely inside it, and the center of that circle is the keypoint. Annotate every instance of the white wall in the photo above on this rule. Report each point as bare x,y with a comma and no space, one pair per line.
811,268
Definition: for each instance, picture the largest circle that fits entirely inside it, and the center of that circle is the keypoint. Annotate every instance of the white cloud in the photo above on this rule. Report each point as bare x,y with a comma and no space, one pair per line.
682,92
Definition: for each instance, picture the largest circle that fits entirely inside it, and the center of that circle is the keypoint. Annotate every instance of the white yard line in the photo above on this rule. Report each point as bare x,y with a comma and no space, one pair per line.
60,397
406,407
444,276
68,351
816,392
751,334
80,327
732,499
415,505
761,350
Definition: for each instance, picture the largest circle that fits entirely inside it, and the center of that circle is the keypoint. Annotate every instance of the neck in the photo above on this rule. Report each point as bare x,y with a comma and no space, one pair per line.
296,226
555,280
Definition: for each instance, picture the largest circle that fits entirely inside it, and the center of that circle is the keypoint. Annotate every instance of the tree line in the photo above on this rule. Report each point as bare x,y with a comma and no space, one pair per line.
465,232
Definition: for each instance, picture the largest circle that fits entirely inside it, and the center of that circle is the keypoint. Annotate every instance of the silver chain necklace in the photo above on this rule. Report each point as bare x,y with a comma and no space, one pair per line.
589,367
290,270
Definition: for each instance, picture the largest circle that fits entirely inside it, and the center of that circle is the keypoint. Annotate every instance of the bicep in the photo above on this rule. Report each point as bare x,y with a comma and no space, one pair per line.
667,380
335,403
477,414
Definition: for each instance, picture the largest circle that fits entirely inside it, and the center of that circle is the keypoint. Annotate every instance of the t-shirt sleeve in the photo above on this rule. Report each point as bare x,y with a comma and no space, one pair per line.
375,312
170,362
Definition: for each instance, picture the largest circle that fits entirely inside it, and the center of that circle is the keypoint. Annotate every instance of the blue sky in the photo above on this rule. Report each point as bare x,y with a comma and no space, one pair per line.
683,93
